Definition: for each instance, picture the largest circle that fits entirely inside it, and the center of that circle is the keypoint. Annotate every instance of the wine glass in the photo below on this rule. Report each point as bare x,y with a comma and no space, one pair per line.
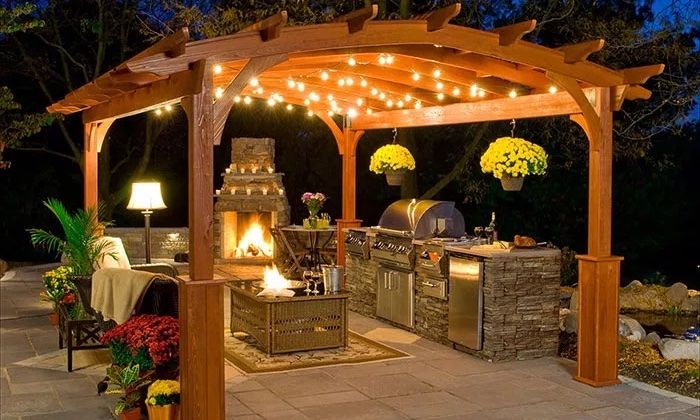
478,231
316,276
307,274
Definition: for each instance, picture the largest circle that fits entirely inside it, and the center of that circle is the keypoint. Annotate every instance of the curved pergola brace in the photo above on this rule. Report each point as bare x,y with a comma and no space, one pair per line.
590,117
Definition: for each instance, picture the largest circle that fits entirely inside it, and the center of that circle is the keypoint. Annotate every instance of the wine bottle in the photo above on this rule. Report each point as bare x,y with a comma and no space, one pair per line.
492,226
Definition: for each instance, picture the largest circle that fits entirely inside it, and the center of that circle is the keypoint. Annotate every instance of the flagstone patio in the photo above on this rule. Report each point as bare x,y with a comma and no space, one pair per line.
437,382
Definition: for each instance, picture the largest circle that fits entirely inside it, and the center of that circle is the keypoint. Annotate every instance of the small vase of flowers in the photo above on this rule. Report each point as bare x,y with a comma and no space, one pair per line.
510,159
58,288
163,400
392,160
314,203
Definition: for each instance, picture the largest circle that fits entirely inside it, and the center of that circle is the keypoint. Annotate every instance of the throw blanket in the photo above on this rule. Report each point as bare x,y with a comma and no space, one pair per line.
116,291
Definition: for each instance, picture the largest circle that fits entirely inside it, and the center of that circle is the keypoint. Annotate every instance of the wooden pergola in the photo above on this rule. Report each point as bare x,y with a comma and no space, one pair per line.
377,74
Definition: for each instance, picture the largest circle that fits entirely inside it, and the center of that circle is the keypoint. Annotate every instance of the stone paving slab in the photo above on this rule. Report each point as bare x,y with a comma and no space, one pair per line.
437,383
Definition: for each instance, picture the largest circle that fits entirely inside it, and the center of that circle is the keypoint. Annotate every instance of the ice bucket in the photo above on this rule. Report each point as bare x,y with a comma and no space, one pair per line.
332,277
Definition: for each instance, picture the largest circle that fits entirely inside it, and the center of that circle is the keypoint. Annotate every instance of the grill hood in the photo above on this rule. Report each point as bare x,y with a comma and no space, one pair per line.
423,219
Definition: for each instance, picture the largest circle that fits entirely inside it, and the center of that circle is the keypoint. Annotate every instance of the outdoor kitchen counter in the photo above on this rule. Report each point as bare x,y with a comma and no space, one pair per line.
520,296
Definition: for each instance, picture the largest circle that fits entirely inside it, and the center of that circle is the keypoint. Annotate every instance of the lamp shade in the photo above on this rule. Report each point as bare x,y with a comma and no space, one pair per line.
145,196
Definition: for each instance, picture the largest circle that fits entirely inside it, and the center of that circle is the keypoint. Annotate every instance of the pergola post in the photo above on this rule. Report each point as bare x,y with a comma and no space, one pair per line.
599,271
349,140
201,296
89,166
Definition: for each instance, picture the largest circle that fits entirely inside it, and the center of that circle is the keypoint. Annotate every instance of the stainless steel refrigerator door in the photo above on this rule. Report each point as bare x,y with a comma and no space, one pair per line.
465,315
403,297
383,293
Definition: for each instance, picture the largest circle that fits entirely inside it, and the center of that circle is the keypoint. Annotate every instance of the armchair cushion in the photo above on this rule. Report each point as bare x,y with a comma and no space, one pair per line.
118,257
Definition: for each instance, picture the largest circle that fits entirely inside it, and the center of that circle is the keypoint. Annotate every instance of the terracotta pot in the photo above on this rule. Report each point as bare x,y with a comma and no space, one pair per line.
512,183
394,177
53,319
131,414
164,412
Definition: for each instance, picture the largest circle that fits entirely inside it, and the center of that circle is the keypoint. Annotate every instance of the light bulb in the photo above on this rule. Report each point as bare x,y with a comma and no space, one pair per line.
369,111
382,95
439,85
247,100
168,108
159,111
482,93
218,69
416,76
310,113
307,101
513,93
553,89
254,82
455,91
259,90
363,83
300,86
329,97
291,83
399,104
473,90
349,81
418,105
374,91
390,103
219,92
359,101
324,75
331,113
289,107
271,102
407,97
440,96
341,82
382,59
352,61
314,96
352,113
437,73
389,59
236,99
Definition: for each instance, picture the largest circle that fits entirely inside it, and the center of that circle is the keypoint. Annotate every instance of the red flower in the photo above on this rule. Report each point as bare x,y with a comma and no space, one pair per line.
68,299
159,335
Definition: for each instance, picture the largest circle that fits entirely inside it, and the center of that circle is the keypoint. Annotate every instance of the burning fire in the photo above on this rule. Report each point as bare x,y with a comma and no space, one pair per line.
273,279
253,242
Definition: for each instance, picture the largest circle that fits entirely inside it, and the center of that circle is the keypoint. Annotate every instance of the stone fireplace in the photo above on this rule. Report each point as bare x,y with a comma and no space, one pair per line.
251,199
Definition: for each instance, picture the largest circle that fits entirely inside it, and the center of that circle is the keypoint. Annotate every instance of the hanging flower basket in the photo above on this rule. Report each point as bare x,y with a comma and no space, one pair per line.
510,159
392,160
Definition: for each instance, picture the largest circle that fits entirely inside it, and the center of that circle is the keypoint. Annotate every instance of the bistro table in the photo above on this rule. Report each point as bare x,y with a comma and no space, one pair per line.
315,250
288,324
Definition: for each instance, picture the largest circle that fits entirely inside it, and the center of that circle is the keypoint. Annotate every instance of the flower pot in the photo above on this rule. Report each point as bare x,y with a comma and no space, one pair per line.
394,177
53,319
131,414
512,183
164,412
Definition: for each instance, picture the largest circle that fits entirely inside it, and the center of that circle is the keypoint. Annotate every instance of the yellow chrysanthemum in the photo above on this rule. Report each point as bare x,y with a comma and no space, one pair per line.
392,157
514,157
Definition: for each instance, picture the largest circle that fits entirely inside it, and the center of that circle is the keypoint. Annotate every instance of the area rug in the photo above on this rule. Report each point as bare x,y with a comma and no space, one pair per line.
242,353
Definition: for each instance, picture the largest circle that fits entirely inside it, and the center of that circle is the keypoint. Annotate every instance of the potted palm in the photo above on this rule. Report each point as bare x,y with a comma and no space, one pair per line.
80,244
392,160
510,159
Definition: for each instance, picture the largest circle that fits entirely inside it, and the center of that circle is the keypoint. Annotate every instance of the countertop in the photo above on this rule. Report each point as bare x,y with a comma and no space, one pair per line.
510,253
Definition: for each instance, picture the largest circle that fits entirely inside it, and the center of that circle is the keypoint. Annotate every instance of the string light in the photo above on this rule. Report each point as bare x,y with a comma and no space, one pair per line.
278,97
334,104
382,95
437,73
399,104
363,83
219,92
473,90
352,61
300,86
307,102
382,59
324,75
168,108
352,113
369,111
271,102
341,82
374,92
359,101
247,100
389,59
289,107
329,97
407,97
159,111
456,91
254,82
310,113
482,93
218,69
291,83
418,105
349,81
314,96
389,103
513,93
553,89
440,96
236,99
259,90
416,76
439,85
331,113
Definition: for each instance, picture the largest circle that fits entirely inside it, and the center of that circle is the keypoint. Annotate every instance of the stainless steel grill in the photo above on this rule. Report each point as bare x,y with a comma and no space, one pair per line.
357,243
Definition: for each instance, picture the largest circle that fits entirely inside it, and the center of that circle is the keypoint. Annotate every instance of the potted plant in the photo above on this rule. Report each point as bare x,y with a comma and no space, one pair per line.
163,400
57,286
510,159
392,160
314,203
81,244
128,382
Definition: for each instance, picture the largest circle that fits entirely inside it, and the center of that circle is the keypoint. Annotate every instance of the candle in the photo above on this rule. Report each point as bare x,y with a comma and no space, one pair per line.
228,170
264,191
233,167
254,169
233,190
248,191
242,170
270,169
281,191
218,192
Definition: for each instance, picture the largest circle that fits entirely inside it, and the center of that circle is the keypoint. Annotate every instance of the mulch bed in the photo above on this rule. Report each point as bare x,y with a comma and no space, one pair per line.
643,362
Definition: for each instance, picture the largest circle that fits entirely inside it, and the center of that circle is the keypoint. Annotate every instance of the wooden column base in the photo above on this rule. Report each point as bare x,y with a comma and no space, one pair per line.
598,312
344,224
202,348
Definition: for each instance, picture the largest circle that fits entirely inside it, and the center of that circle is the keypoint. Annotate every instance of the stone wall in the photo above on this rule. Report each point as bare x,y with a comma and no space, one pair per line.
521,301
165,242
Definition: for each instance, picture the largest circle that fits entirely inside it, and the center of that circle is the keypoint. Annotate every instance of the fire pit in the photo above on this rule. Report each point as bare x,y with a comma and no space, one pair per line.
283,324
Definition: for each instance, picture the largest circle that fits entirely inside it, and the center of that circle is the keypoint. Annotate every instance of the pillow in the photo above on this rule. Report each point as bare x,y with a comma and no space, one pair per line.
118,259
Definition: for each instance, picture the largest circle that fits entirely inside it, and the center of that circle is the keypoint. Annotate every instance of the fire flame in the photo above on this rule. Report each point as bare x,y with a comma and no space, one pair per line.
273,279
253,242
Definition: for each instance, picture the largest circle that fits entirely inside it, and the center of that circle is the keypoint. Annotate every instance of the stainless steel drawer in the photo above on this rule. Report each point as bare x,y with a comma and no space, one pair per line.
434,287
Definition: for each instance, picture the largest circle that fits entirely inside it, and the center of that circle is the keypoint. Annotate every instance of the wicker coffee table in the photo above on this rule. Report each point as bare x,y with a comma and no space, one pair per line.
284,325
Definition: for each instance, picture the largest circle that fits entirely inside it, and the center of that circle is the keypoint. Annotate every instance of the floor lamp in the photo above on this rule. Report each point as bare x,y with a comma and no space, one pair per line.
145,196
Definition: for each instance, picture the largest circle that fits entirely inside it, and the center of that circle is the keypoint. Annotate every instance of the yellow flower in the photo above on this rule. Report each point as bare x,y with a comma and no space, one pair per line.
391,157
514,157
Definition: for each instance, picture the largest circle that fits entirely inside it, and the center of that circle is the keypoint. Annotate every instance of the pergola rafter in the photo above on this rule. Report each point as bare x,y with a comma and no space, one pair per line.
544,81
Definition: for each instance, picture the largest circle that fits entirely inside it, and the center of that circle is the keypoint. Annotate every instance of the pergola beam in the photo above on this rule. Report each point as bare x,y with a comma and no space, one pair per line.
640,75
575,53
439,18
529,106
509,35
357,19
268,28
